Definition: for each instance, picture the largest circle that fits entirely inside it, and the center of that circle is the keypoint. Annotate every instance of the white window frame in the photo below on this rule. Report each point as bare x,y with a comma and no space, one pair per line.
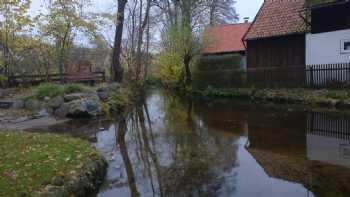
342,46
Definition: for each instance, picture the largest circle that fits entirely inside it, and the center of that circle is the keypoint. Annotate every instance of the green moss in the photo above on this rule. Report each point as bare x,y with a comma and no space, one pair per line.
338,94
28,161
75,88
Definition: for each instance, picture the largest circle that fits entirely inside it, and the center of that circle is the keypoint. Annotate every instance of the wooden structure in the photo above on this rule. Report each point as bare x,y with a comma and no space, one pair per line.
332,16
311,76
81,72
68,78
276,38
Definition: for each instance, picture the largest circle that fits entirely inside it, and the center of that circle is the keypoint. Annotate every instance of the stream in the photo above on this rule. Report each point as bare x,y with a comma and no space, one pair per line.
171,146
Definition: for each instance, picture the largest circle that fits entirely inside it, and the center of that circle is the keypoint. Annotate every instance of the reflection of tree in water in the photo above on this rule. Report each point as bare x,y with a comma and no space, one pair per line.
122,129
193,166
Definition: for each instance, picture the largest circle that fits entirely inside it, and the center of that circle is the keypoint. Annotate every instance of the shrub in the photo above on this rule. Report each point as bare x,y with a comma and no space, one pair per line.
3,81
75,88
219,62
120,101
52,90
171,65
48,90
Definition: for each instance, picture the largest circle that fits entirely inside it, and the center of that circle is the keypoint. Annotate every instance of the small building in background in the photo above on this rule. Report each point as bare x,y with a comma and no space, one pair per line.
226,40
276,37
329,39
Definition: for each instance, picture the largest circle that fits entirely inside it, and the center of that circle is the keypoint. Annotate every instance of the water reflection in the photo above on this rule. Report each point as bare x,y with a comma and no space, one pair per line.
171,146
328,139
174,147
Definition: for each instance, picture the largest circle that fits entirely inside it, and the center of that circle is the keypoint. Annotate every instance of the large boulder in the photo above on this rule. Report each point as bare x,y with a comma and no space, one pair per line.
56,102
79,96
74,96
18,104
85,107
62,111
32,104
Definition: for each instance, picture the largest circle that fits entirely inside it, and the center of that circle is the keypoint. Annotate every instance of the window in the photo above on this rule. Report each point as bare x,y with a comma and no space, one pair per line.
345,46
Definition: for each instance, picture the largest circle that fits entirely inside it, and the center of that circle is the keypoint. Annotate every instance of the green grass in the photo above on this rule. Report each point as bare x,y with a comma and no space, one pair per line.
52,90
28,161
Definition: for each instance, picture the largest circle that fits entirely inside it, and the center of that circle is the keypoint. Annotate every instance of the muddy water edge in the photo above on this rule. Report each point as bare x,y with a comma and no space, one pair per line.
174,146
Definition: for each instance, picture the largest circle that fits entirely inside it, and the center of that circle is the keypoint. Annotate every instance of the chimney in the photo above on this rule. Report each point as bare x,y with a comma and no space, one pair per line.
246,19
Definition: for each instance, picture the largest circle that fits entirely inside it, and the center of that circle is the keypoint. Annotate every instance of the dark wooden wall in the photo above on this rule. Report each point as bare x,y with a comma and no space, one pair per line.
330,18
276,52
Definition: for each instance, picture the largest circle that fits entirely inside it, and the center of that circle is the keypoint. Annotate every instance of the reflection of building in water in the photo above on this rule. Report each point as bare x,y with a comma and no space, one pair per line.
328,139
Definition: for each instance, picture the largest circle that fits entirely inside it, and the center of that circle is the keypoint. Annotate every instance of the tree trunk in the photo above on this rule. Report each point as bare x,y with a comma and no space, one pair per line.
140,38
188,74
61,65
121,132
116,65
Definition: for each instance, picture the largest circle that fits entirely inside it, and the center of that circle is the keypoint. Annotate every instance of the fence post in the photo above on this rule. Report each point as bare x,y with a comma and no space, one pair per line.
348,77
311,76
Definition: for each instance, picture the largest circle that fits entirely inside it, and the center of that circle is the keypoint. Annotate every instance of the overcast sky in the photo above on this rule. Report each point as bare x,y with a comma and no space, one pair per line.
245,8
248,8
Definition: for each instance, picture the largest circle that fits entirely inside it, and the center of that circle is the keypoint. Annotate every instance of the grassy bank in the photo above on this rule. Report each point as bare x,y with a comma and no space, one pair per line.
318,98
29,162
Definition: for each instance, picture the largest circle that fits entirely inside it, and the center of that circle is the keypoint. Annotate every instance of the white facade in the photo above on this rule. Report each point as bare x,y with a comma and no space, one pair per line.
327,48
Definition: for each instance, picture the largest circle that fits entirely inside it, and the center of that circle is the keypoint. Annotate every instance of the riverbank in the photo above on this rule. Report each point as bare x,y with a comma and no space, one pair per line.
48,165
337,99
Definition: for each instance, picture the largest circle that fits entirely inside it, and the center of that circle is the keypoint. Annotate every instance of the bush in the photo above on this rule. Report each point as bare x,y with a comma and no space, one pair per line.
52,90
75,88
120,101
48,90
3,81
219,62
171,65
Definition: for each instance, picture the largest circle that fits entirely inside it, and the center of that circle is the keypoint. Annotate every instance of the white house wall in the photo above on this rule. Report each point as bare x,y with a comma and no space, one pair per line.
325,48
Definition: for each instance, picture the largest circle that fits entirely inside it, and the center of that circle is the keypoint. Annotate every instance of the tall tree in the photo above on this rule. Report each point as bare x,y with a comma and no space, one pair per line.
14,21
64,20
117,49
222,11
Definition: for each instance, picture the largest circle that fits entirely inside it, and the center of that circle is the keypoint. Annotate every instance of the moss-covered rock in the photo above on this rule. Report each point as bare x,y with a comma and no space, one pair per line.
48,165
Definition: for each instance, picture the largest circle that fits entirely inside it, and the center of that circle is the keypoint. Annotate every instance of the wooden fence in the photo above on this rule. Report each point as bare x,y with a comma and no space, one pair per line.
312,76
36,79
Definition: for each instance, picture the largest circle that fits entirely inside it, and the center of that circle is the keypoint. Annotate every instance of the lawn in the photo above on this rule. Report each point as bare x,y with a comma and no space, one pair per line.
29,161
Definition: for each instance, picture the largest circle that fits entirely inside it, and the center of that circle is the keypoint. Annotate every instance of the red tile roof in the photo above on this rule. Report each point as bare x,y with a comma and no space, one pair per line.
225,38
277,18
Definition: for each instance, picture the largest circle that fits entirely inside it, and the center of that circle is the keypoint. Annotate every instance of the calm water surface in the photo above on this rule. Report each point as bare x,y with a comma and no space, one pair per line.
170,146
